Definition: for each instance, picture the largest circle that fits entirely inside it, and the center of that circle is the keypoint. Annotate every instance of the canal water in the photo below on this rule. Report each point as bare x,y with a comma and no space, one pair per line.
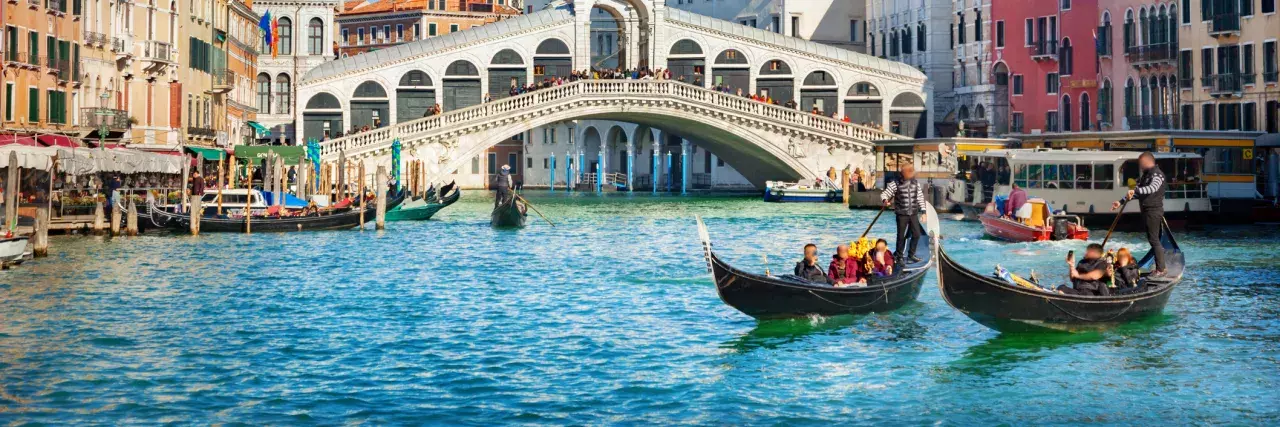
609,317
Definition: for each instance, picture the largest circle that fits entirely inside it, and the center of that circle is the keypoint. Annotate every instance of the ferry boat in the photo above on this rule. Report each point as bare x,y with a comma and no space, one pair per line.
779,191
1084,183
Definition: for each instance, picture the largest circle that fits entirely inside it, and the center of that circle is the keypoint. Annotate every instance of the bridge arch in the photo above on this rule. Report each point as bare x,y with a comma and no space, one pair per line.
775,80
820,89
370,105
630,18
732,69
617,141
907,115
687,61
506,69
462,86
552,59
863,104
322,117
415,94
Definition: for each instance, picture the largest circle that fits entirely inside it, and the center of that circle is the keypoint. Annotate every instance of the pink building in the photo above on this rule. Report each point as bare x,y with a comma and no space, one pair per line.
1138,83
1051,66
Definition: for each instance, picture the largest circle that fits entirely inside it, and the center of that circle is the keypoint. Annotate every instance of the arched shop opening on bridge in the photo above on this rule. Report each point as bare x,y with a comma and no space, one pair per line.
608,45
322,117
776,82
461,85
370,106
907,115
552,60
731,70
863,104
687,62
506,71
820,91
415,95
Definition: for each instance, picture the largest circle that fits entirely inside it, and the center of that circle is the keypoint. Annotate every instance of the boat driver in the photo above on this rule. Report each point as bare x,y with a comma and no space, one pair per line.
1089,276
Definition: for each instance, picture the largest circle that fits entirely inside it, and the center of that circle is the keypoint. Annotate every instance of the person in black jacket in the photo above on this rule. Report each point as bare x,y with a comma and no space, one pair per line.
808,268
907,198
1150,195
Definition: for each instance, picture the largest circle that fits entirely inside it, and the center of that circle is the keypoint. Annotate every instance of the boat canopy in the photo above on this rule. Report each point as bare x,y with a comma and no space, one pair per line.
290,153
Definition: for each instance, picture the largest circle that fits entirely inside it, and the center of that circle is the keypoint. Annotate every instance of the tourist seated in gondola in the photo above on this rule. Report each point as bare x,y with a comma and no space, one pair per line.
844,270
1090,276
808,268
881,259
1126,272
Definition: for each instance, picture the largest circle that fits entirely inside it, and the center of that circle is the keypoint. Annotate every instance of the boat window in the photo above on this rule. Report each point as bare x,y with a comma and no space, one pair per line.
1020,175
227,199
1104,177
1034,175
1051,176
1084,177
1067,177
1002,165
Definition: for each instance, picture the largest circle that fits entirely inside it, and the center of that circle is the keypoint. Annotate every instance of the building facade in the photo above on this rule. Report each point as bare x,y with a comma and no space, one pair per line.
916,32
1051,69
840,23
307,38
244,42
981,102
41,70
368,26
1227,62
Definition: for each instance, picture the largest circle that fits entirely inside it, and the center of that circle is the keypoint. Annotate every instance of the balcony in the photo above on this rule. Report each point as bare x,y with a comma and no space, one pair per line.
1045,50
1271,77
1152,55
33,4
1225,25
1228,84
59,67
223,81
104,119
54,8
157,54
201,132
122,47
92,38
1153,122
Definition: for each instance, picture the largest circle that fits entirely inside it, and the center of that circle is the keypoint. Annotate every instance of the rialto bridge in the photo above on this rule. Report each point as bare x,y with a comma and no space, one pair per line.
391,90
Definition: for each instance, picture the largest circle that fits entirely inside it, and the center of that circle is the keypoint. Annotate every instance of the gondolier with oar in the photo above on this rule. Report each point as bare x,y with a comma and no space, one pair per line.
502,183
1150,194
907,198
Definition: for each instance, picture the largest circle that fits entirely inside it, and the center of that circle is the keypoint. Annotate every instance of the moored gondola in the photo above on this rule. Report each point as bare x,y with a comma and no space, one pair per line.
424,208
1006,307
511,213
337,219
787,296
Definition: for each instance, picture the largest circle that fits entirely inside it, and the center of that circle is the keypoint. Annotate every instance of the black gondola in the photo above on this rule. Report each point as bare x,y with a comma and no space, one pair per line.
511,213
340,220
788,296
1009,308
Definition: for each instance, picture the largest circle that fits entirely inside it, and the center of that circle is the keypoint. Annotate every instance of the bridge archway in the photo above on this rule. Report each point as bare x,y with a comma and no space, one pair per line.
461,85
616,143
820,90
370,106
507,69
591,143
732,70
619,32
687,62
907,114
863,104
415,95
776,81
322,117
552,59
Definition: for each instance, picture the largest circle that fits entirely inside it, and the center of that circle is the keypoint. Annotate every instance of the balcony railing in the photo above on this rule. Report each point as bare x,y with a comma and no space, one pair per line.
121,45
1153,53
1224,23
1271,77
1153,122
93,37
1186,82
223,81
201,132
1227,83
99,118
157,51
1045,49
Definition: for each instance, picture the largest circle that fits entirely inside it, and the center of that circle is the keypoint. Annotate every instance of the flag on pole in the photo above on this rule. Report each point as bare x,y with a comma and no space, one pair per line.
275,37
265,25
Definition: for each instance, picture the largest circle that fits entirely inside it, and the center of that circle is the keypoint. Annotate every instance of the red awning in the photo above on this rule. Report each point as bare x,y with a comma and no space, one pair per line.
57,141
15,139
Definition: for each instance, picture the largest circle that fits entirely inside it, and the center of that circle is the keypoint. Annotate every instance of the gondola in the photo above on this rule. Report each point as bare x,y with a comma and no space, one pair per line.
339,220
778,297
511,213
422,209
1005,307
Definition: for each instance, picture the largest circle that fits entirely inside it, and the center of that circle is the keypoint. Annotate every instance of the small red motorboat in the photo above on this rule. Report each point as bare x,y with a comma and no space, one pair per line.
1041,225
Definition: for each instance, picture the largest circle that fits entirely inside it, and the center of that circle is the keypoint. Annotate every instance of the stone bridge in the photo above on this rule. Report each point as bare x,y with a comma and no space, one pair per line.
390,90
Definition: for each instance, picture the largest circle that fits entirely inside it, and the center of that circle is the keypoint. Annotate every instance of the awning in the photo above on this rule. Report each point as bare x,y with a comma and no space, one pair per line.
82,161
259,128
56,141
291,153
206,153
19,140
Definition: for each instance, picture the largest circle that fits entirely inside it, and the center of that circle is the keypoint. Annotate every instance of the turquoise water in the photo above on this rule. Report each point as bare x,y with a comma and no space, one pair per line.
607,318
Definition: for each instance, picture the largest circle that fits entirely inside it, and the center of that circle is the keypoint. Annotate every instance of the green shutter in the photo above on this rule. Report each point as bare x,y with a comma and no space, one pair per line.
33,105
75,62
75,7
52,54
33,43
8,102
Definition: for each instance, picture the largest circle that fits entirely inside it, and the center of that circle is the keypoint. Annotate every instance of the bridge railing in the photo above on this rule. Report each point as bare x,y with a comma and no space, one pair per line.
382,137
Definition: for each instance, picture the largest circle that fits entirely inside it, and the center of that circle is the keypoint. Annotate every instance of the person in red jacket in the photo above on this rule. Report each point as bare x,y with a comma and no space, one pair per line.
881,259
844,270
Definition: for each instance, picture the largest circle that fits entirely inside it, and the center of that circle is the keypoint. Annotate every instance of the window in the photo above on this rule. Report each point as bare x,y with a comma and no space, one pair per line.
1028,33
360,35
282,94
8,102
853,31
795,26
400,32
453,28
1066,4
373,35
417,31
1184,69
961,27
1188,116
1051,121
921,36
1268,6
1206,117
33,47
475,165
1066,60
1270,71
286,36
1186,11
999,33
777,25
11,43
264,94
1250,117
1015,123
1051,83
431,29
315,37
977,27
57,106
1246,7
1206,63
33,105
1248,64
386,31
345,37
1228,116
1086,119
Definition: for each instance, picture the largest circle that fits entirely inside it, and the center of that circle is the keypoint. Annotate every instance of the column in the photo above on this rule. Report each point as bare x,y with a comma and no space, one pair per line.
654,165
668,171
582,163
684,166
715,160
631,165
552,182
600,158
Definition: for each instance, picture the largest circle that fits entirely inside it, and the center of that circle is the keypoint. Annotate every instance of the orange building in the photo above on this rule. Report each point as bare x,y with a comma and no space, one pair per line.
365,26
41,67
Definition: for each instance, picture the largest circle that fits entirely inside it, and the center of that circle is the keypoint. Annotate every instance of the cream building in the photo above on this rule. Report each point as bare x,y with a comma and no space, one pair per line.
1228,75
309,43
925,25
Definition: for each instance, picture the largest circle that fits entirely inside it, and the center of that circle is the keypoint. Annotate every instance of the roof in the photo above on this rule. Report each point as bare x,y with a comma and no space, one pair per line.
802,45
1061,155
432,44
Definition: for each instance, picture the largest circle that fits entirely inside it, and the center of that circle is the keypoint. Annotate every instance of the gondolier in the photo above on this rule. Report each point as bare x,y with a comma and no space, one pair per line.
906,196
1150,194
502,183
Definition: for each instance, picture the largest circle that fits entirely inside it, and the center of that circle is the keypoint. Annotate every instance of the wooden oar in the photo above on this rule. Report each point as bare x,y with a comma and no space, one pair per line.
526,203
873,221
1113,223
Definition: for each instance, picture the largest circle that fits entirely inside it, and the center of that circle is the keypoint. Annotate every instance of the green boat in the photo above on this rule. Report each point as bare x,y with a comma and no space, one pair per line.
422,209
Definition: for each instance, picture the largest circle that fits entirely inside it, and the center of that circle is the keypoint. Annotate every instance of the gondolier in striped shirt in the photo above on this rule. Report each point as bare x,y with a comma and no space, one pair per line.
1150,195
907,198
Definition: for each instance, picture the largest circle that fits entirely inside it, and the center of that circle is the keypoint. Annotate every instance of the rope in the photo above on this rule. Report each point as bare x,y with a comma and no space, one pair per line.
884,295
1122,312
